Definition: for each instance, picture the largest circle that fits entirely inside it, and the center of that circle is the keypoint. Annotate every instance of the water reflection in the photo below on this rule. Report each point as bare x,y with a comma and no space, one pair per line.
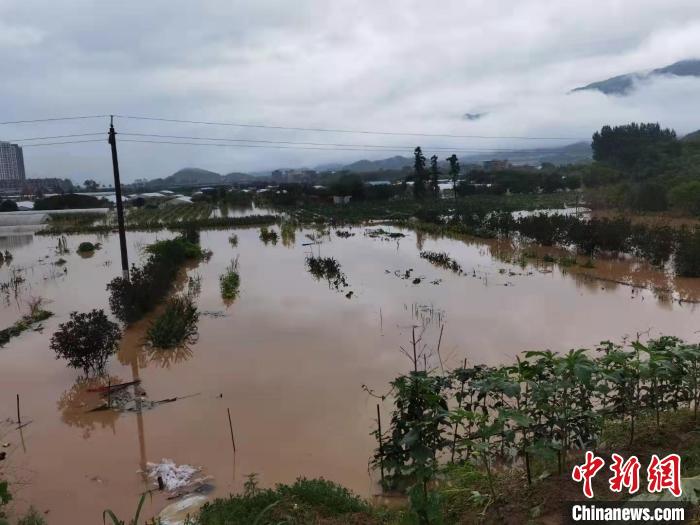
166,358
601,273
10,242
82,408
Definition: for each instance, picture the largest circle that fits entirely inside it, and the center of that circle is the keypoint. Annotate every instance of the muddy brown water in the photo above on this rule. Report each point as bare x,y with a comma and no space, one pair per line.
289,357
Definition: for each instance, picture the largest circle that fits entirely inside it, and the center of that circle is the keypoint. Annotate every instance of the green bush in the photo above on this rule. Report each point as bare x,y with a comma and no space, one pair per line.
86,341
131,299
306,501
176,325
86,247
230,281
70,201
686,197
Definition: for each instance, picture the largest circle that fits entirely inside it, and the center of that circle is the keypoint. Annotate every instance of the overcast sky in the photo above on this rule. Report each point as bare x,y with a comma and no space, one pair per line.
410,66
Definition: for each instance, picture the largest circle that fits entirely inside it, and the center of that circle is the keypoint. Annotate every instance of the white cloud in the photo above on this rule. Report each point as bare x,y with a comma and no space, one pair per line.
396,65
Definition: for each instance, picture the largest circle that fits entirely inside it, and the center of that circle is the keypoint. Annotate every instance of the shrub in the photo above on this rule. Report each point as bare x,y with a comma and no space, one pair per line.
36,315
176,325
688,254
131,299
70,201
8,205
86,247
327,268
686,197
230,281
442,260
268,236
306,501
86,341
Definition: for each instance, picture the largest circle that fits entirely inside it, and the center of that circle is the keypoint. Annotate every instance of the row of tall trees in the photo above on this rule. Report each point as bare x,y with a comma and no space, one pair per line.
427,181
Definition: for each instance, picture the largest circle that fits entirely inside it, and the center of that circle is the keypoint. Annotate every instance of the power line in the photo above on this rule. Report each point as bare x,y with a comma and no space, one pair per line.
377,146
52,119
57,137
66,142
272,146
332,130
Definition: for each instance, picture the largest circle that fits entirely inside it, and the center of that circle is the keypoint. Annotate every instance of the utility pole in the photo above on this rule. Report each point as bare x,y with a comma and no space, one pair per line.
118,193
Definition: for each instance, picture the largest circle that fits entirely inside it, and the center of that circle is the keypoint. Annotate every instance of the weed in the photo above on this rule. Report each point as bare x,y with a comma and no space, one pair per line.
230,281
442,260
177,324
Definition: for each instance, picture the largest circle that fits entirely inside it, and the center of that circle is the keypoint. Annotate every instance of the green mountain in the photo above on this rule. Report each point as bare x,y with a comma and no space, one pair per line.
625,84
193,176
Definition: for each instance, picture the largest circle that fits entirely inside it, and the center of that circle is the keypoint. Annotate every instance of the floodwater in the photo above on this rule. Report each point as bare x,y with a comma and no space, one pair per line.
289,357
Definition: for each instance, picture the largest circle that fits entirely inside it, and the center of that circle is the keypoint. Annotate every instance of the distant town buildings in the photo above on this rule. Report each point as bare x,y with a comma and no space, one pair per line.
11,166
496,165
43,186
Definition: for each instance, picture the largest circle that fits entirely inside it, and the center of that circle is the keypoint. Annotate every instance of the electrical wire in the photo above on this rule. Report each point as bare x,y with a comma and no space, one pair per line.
66,142
55,119
376,146
58,137
333,130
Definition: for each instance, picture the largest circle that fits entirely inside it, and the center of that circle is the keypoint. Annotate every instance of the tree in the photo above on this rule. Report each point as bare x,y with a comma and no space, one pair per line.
91,185
686,197
635,147
86,341
8,205
419,173
454,172
349,184
434,176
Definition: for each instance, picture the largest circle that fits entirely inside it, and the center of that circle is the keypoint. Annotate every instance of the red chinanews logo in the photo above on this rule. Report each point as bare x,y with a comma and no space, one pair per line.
662,474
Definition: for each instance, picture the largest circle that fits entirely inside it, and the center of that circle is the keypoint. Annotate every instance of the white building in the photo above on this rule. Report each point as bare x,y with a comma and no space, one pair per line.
11,165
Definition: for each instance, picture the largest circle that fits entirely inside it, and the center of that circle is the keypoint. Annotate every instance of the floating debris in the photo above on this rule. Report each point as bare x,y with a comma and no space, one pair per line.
381,233
174,476
180,512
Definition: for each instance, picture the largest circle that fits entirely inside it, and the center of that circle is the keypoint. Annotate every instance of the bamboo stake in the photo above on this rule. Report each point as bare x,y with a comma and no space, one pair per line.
230,426
19,419
379,438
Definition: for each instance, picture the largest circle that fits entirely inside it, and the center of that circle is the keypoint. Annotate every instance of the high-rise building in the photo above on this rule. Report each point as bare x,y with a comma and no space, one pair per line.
11,165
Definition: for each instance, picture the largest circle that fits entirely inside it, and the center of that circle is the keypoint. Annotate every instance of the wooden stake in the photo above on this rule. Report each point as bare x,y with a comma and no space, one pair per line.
19,419
230,426
379,438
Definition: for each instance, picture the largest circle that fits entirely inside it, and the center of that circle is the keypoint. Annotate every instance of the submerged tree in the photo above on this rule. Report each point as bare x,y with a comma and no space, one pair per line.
86,341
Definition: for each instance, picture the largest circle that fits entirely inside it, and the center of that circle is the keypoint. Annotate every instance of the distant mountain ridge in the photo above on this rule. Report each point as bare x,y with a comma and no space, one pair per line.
570,154
624,84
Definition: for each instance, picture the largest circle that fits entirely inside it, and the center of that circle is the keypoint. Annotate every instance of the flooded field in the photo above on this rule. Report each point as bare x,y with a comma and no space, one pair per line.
289,357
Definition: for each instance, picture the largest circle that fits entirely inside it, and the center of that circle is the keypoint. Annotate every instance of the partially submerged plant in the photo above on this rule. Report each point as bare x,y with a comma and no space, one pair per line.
230,281
442,259
30,321
131,299
327,268
86,341
268,236
87,247
233,240
177,324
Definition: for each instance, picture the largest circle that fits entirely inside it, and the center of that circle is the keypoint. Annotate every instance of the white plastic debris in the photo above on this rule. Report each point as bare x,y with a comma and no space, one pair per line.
178,513
174,476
